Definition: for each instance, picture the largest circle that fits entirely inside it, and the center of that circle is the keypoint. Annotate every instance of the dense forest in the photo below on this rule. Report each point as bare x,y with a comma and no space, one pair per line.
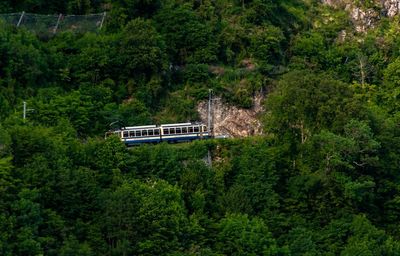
324,179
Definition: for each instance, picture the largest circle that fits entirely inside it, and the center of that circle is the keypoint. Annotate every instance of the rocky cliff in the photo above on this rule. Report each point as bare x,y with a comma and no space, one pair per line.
233,121
366,14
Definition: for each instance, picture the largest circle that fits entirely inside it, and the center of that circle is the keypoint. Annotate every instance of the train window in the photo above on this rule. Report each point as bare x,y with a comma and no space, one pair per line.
196,129
172,131
144,132
178,130
204,128
156,132
126,134
184,129
131,134
190,129
138,133
166,131
151,132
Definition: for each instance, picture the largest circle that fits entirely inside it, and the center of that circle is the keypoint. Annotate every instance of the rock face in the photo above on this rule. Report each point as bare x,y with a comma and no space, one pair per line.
364,18
392,7
234,121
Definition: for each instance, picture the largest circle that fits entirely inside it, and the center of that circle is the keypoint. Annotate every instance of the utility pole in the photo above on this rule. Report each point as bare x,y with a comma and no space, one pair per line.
24,114
210,124
25,110
210,113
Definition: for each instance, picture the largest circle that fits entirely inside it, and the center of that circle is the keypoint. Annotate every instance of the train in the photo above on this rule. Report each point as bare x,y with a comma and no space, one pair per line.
172,133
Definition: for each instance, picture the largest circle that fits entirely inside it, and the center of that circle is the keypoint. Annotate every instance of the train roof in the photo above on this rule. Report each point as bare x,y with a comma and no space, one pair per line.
178,124
140,127
156,126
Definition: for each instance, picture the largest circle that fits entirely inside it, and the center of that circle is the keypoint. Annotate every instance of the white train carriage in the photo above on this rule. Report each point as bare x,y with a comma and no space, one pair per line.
172,133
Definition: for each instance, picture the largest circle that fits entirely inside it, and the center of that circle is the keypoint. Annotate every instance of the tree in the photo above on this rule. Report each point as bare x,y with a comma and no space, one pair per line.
28,219
196,181
134,113
92,58
105,157
266,46
344,165
123,11
144,218
250,189
391,87
188,40
304,103
83,108
309,48
301,242
72,247
366,239
25,62
240,235
142,49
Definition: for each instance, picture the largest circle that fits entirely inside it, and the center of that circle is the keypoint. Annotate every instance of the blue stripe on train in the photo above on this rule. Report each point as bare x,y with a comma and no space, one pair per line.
165,138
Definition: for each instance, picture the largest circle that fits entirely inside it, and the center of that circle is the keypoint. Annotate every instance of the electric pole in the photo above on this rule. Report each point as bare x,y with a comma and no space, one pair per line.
210,117
25,110
24,113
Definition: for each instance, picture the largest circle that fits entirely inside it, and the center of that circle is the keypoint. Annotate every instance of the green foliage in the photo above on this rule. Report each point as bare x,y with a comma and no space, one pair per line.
72,247
241,235
304,103
28,217
124,10
144,218
390,92
266,46
181,106
46,7
135,112
188,39
5,140
322,180
253,179
142,48
25,64
301,242
94,62
310,46
365,239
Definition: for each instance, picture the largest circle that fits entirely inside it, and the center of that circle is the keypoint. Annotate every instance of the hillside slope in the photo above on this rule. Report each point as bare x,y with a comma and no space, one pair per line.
318,175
